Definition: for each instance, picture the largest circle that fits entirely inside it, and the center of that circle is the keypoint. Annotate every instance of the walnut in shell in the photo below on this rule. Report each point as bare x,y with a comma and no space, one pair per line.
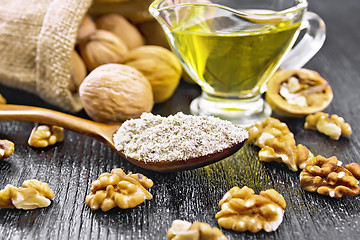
86,28
122,28
160,66
78,71
153,33
136,11
102,47
113,93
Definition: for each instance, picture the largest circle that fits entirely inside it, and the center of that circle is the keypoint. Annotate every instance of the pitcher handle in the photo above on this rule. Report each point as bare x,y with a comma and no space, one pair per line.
309,45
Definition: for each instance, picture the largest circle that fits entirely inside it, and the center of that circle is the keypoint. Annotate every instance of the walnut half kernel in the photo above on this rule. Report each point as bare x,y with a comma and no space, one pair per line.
184,230
45,135
6,149
2,99
278,144
118,189
33,194
333,127
242,210
326,176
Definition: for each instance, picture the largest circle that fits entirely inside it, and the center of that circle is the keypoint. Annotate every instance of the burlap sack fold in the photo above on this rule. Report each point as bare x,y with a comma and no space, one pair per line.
36,40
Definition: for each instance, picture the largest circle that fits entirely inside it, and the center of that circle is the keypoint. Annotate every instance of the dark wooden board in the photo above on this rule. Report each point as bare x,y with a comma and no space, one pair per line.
71,166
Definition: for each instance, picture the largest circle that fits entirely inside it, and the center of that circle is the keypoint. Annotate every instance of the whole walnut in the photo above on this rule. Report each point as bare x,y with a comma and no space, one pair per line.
122,28
160,66
113,93
137,11
86,28
78,71
153,33
102,47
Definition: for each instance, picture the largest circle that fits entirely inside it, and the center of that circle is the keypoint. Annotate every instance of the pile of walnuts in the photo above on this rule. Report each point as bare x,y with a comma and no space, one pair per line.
325,176
116,74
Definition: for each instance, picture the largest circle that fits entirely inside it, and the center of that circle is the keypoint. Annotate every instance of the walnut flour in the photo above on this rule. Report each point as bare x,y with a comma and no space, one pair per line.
153,138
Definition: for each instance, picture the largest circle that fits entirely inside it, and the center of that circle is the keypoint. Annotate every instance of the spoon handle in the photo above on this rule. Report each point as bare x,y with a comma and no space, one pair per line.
93,129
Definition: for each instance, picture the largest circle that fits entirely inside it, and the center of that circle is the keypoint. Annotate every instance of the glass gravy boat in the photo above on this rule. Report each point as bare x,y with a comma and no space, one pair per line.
232,47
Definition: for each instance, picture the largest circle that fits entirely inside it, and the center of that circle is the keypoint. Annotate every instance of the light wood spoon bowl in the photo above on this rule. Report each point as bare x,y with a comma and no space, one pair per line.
104,133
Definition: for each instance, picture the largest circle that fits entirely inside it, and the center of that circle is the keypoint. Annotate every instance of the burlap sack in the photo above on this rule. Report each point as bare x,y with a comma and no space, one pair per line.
36,40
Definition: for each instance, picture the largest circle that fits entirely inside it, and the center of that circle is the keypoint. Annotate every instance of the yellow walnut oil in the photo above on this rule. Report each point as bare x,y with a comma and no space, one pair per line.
232,63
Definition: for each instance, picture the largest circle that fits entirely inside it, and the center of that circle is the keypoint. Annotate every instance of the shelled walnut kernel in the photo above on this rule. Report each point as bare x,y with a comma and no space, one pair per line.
2,99
278,144
333,127
144,181
326,176
242,210
33,194
45,135
6,148
184,230
118,189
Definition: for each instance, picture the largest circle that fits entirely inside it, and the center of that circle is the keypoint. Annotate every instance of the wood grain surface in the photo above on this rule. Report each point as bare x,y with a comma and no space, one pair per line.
71,166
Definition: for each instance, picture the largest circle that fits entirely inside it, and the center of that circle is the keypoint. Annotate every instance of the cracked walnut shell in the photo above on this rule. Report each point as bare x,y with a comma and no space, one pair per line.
118,189
6,148
333,127
326,176
45,135
297,93
242,210
33,194
184,230
278,144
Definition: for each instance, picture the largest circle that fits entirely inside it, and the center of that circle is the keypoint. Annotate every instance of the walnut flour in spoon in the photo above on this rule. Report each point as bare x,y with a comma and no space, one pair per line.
153,138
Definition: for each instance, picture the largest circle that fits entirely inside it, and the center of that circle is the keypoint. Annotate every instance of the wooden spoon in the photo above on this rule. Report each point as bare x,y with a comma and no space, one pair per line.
104,133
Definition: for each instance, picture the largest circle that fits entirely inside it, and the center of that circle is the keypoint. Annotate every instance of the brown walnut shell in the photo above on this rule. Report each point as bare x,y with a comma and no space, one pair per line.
160,66
122,28
102,47
315,89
